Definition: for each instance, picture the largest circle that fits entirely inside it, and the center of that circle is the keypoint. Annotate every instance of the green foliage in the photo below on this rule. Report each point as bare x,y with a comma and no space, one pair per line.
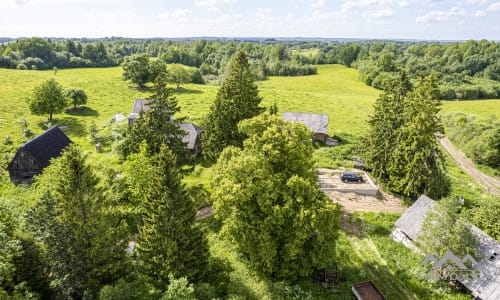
139,69
84,242
178,289
47,98
445,229
178,75
238,99
478,138
158,126
77,96
484,214
270,206
401,147
169,241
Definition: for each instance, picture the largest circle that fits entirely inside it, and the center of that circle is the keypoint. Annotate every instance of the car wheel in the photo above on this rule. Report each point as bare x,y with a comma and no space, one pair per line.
360,180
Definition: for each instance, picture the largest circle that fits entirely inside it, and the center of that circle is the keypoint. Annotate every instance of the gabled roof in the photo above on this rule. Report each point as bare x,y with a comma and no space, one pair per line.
487,285
139,105
411,222
46,146
192,133
318,123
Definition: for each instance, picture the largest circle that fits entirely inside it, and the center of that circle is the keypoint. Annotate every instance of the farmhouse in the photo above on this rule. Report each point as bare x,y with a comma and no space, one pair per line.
35,155
193,132
486,286
318,123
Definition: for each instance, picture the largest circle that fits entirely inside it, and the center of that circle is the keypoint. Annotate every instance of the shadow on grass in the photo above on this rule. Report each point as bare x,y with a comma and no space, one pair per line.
181,90
82,111
69,125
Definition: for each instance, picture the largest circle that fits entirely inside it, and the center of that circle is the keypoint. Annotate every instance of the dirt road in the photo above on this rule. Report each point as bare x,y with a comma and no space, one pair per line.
491,184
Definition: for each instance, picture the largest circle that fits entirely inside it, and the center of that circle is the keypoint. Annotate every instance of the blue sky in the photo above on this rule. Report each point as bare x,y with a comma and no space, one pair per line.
405,19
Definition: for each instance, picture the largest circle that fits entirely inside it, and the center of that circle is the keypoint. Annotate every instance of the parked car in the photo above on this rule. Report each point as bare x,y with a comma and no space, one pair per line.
351,177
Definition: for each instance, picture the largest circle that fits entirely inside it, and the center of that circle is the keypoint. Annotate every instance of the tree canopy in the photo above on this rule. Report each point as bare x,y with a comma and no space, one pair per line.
77,96
269,203
47,98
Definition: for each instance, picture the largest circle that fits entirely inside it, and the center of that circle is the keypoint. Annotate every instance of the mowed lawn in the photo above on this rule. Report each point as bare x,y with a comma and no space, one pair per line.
335,90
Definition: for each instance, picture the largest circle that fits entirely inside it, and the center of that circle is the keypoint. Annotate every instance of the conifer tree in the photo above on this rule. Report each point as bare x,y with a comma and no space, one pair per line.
158,126
418,164
85,244
169,240
387,118
237,99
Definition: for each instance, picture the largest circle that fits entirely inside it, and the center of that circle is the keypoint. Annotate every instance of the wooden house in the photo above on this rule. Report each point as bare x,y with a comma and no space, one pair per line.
35,155
192,138
317,123
486,286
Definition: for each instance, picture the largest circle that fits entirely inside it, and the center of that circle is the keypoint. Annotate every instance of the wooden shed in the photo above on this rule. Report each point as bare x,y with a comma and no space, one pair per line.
317,123
35,155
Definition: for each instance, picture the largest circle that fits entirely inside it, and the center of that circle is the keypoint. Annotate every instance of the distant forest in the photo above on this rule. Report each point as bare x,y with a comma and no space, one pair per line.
466,70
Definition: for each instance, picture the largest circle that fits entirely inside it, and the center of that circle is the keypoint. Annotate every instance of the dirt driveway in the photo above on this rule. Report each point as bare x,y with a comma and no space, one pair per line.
353,202
489,183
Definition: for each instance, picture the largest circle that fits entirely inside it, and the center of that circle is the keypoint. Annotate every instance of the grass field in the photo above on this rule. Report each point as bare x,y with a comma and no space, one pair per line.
335,91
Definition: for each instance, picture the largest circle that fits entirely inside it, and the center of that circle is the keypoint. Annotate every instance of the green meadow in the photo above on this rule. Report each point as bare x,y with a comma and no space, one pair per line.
335,91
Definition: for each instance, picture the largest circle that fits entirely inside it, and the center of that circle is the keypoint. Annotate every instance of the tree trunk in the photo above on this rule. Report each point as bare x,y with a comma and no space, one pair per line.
50,117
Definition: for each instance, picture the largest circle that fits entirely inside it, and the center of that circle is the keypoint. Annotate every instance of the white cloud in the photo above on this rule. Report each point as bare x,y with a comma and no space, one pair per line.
480,13
212,5
178,14
377,14
494,7
318,3
438,16
476,2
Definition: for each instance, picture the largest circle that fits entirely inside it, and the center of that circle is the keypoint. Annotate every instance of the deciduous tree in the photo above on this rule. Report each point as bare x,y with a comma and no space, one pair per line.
178,75
269,203
77,96
47,98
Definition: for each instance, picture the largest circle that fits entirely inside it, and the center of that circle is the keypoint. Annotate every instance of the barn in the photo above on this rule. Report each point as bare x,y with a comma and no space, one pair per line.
35,155
317,123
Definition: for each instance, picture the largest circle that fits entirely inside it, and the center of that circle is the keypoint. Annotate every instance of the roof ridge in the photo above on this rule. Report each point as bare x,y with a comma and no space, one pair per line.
36,138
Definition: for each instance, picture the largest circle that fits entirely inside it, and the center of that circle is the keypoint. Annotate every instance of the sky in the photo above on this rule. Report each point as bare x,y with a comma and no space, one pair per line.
374,19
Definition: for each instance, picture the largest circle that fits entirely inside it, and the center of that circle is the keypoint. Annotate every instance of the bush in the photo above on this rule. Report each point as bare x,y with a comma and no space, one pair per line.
21,66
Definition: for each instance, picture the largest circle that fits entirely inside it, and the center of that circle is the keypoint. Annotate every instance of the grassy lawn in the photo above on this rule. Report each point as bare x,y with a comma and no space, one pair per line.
364,250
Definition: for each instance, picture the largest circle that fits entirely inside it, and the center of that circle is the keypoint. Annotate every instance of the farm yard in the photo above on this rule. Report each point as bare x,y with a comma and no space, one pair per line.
364,249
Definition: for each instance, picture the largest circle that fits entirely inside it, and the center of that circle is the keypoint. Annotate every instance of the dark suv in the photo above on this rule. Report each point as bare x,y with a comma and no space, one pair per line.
350,176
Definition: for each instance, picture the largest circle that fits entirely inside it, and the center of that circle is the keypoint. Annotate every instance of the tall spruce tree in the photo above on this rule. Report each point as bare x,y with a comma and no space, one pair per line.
238,99
387,118
85,244
169,240
401,146
417,166
158,126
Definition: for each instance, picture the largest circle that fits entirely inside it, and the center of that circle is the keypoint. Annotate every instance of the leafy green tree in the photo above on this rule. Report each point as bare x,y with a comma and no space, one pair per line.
237,99
179,289
77,96
445,229
85,244
158,126
269,203
169,240
47,98
136,69
178,75
485,214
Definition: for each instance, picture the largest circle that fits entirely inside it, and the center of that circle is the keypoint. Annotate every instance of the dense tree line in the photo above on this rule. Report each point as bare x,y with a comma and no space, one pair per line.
465,70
